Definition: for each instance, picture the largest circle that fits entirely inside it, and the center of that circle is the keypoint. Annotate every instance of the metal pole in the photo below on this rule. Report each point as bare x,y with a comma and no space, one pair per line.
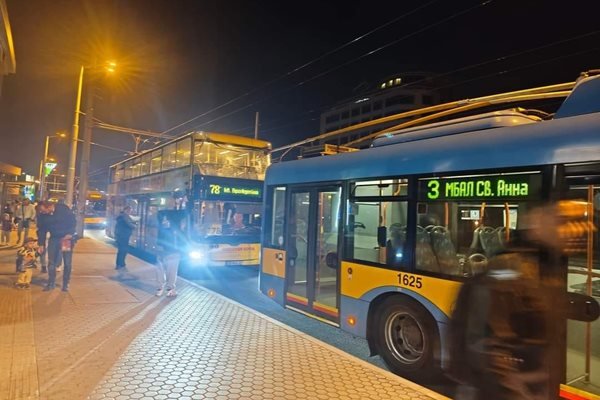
85,157
256,126
73,149
42,171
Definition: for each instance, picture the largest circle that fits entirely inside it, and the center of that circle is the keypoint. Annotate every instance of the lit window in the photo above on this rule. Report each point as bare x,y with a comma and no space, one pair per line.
398,80
383,85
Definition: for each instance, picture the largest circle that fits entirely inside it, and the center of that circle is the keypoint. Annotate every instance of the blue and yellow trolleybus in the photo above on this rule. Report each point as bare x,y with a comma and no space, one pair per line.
379,241
217,178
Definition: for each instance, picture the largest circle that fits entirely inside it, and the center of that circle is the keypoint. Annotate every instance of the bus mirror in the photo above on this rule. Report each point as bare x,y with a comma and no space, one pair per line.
381,236
580,307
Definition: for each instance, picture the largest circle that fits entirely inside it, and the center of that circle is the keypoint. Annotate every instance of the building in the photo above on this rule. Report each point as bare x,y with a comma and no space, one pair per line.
7,50
15,184
392,95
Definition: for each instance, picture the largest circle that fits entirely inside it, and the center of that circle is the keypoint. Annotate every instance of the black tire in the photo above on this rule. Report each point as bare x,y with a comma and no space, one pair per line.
406,337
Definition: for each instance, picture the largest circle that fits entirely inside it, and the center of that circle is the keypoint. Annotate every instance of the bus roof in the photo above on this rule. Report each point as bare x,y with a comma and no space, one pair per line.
213,137
565,140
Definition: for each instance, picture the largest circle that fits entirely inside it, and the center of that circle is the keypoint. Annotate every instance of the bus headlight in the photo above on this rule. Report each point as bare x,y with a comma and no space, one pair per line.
196,255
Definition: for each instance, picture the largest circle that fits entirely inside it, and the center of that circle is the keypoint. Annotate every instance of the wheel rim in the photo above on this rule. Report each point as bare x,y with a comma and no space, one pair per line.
404,337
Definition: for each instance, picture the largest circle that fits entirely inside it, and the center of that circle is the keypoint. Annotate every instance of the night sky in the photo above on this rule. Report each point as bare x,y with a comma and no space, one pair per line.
178,59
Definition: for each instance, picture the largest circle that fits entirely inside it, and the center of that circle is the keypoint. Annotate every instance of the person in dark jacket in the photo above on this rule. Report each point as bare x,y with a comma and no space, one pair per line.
171,242
123,230
60,223
42,234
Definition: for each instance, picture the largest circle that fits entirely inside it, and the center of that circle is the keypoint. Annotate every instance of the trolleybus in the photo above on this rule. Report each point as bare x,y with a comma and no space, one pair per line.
213,176
379,241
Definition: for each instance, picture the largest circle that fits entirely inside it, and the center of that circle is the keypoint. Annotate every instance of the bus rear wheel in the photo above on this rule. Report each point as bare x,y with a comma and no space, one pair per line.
406,338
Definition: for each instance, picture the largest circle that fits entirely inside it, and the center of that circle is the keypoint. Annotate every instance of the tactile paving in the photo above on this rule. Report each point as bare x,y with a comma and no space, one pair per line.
202,346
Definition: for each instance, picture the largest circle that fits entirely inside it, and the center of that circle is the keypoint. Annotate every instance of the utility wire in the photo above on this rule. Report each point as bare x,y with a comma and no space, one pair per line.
394,42
305,65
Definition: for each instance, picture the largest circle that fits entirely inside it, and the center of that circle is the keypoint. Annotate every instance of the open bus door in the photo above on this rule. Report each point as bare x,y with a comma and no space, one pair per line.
582,279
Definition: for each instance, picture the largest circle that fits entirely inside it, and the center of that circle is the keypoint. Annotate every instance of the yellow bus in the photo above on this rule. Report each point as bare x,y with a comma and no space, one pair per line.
217,178
378,242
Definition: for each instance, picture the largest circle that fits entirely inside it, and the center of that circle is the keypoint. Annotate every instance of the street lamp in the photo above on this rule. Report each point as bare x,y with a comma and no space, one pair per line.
43,161
110,67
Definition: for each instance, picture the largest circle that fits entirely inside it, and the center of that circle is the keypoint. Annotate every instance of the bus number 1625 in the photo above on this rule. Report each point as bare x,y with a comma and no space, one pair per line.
409,281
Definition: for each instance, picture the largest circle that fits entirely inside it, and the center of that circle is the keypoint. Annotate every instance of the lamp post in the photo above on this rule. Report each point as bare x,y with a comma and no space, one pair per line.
42,176
109,67
74,139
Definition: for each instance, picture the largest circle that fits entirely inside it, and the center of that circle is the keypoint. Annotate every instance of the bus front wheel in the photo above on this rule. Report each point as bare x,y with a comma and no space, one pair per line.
406,338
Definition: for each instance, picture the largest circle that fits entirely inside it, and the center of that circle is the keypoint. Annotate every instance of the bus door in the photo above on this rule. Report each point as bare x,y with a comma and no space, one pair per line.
313,238
142,214
583,278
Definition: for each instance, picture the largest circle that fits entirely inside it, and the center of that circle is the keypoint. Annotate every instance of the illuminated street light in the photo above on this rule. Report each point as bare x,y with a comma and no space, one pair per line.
43,161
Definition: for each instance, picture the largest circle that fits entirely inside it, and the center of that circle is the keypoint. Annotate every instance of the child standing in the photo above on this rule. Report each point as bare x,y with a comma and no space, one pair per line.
27,257
7,227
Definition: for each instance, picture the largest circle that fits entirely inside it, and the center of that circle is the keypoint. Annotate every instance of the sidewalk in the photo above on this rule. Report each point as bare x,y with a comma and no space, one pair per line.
110,338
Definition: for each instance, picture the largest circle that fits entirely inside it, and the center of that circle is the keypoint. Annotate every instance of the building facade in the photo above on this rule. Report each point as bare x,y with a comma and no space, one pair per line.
392,95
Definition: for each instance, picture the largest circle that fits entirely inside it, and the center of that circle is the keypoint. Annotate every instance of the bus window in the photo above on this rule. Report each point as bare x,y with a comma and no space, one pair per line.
462,223
156,161
276,213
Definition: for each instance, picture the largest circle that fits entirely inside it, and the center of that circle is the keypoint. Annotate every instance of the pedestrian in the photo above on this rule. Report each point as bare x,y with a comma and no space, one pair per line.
42,235
123,230
27,256
60,224
25,212
171,242
7,227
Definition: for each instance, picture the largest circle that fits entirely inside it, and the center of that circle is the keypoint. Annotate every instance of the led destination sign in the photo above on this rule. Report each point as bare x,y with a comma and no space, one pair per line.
229,189
522,186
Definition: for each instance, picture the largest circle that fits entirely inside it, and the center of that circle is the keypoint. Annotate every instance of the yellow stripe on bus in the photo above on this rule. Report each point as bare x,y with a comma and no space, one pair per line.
358,279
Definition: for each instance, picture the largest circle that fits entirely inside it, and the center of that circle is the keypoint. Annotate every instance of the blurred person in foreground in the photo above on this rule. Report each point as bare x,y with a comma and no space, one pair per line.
501,332
60,223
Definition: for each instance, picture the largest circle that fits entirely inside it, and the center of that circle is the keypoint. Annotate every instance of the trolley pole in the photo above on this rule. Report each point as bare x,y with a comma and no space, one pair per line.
256,126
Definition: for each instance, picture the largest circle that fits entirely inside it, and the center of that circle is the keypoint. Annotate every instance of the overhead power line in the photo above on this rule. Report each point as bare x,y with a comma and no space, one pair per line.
303,66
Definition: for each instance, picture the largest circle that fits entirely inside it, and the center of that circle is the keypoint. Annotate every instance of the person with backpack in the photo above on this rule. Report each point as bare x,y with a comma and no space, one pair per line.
123,230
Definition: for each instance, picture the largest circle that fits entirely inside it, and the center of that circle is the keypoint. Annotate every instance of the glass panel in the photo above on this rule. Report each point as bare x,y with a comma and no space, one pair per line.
135,169
297,244
145,166
230,161
169,158
156,161
366,219
328,232
127,170
583,343
388,187
183,153
277,216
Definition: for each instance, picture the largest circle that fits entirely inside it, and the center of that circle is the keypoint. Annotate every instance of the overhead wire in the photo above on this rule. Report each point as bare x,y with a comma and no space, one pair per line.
305,65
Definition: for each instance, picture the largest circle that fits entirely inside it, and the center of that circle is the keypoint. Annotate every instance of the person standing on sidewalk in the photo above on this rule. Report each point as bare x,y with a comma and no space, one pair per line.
61,226
123,230
42,235
171,242
25,212
7,227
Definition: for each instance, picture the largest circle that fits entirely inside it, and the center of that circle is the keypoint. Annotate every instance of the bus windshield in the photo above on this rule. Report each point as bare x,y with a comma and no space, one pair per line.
217,218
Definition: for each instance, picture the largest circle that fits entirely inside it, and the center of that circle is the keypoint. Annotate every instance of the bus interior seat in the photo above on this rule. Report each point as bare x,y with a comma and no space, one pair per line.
476,244
492,241
444,250
425,256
